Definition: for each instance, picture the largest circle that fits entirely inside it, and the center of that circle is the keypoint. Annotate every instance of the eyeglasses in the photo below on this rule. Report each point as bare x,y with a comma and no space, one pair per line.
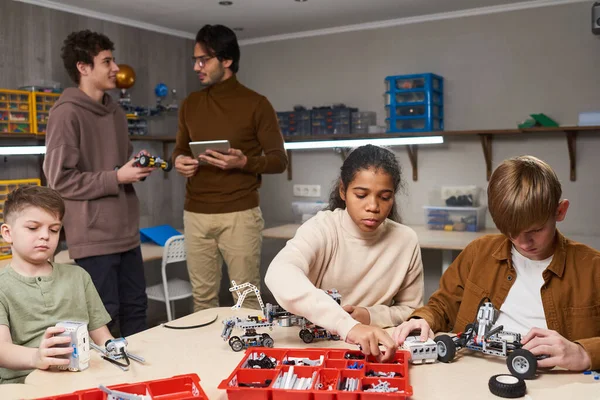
201,61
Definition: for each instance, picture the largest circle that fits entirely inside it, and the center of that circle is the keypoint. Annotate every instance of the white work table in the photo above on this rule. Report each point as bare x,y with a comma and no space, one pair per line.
202,351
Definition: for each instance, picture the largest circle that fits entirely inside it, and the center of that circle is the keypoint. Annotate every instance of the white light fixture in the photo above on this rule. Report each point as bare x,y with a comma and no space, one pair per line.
329,144
22,150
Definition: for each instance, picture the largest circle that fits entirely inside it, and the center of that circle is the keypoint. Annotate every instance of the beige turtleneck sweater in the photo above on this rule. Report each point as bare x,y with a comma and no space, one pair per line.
380,270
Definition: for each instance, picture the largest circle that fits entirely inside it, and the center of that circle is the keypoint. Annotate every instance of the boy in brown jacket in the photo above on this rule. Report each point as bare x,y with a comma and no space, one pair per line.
543,283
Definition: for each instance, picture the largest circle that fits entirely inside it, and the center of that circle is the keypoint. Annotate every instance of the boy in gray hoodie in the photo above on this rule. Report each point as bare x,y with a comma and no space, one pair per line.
88,162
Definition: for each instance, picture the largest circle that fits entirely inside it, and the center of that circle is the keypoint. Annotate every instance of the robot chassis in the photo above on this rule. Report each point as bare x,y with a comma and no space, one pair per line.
490,340
274,315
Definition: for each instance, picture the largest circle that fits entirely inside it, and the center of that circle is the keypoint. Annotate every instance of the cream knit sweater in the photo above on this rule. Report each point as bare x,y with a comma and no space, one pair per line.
380,270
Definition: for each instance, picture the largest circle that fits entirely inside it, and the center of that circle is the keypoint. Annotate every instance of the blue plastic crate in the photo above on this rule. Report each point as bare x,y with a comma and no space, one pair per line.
415,103
428,82
416,110
414,97
414,124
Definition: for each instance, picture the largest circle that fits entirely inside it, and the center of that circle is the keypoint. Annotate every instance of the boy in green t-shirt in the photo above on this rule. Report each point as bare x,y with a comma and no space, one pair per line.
35,294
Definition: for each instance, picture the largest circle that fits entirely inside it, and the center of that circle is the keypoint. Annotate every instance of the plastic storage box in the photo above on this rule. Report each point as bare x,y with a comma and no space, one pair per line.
304,210
362,120
324,381
331,120
294,123
415,103
589,118
5,188
181,387
471,219
42,103
15,111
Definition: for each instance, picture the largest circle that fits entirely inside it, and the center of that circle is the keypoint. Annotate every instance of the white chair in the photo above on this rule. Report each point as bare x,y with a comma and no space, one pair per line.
173,289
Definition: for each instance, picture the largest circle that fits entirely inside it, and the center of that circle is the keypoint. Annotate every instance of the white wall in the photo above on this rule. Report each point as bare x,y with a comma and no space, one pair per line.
498,69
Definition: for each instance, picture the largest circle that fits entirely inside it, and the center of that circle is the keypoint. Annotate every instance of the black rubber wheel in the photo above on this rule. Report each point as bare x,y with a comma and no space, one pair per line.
307,336
144,161
522,364
507,386
168,166
236,344
268,341
446,348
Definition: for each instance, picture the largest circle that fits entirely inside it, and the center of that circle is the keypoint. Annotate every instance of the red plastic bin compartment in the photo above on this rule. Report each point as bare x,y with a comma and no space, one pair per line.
404,390
277,354
335,354
92,394
355,364
401,370
181,387
296,394
311,354
176,388
328,378
353,355
235,392
137,388
349,373
338,364
356,355
97,394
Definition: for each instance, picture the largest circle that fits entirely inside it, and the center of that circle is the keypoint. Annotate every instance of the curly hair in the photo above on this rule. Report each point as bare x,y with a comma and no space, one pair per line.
364,158
82,47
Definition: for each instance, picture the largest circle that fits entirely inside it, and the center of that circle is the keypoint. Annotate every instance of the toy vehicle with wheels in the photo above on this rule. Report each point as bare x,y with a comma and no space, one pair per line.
144,160
310,332
250,338
489,340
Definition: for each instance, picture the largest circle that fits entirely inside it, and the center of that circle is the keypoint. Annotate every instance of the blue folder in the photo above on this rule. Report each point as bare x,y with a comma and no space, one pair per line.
158,234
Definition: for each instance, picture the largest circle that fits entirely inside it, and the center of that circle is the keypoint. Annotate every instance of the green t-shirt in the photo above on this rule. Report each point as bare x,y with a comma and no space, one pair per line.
30,305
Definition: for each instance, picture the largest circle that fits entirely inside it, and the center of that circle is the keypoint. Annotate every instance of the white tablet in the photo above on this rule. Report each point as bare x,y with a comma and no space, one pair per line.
199,148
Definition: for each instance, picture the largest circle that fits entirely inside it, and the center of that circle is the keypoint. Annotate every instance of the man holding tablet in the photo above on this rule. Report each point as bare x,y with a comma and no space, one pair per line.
222,218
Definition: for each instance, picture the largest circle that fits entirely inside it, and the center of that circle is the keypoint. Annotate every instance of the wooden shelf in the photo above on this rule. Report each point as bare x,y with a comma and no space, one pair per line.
485,135
42,138
22,136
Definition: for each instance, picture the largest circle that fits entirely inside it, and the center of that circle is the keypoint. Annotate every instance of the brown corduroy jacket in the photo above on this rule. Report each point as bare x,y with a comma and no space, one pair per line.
570,294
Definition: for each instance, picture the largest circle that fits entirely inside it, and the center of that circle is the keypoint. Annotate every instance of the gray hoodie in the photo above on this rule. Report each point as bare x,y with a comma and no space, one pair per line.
85,141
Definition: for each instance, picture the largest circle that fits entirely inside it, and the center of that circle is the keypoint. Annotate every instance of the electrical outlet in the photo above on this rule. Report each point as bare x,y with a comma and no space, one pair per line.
307,190
314,190
298,190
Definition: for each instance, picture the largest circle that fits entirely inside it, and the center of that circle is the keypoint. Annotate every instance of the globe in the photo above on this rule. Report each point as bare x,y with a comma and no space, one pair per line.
161,90
125,76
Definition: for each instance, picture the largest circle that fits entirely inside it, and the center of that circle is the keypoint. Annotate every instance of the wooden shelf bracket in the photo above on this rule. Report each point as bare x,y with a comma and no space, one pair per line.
486,145
289,166
571,145
413,157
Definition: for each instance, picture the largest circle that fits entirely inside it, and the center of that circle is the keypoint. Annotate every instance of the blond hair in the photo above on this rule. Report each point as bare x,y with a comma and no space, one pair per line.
523,191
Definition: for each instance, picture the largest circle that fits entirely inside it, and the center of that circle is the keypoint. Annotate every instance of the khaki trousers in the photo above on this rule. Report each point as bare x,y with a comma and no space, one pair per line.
211,238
